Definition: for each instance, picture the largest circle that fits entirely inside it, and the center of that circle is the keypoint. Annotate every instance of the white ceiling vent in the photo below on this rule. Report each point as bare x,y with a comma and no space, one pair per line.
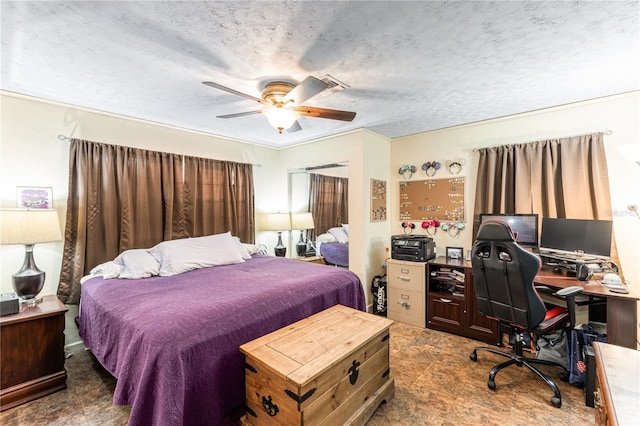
335,85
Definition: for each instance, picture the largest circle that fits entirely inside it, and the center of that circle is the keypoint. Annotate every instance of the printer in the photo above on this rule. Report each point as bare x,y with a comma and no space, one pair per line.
414,248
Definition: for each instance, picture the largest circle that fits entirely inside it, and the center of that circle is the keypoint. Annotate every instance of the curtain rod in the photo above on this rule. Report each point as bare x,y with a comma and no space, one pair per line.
67,138
604,131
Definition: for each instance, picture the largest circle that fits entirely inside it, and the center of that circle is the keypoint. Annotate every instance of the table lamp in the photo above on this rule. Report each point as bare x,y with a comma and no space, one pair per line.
279,222
29,227
303,222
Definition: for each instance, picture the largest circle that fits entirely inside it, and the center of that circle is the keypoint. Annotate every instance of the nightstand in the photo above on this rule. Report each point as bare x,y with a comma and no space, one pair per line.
32,356
311,259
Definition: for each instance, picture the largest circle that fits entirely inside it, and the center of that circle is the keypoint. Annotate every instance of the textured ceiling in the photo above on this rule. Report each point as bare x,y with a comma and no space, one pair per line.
411,66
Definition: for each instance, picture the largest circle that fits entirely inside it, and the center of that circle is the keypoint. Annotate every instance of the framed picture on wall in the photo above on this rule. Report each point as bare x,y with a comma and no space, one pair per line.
34,197
378,200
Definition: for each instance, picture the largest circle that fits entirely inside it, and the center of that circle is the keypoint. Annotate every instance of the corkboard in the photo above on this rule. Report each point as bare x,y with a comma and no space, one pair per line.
378,200
441,199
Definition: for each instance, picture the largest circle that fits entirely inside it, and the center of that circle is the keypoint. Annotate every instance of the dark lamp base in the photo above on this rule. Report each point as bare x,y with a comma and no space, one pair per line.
301,247
280,249
29,280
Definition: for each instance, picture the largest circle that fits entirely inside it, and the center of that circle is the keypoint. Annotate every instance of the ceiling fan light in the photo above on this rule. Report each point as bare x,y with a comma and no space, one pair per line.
281,118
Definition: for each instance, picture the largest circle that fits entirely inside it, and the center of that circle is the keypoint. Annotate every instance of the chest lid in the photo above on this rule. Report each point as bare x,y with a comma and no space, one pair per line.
307,348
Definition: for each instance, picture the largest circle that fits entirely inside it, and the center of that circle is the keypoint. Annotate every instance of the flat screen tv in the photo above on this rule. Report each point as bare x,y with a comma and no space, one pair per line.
584,237
524,226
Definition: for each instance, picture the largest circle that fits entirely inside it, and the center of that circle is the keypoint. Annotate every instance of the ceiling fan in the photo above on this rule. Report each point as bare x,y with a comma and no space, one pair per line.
282,101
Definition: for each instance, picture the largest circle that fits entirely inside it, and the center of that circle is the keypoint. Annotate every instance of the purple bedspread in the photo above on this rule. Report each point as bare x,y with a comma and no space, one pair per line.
172,342
335,253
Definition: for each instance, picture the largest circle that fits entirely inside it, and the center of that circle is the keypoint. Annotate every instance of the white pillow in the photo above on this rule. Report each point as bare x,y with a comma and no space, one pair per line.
107,270
251,248
326,238
178,256
340,235
137,263
243,250
345,226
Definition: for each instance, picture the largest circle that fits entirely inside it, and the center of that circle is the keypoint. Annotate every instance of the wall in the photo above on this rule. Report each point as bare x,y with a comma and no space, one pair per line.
367,154
620,114
32,155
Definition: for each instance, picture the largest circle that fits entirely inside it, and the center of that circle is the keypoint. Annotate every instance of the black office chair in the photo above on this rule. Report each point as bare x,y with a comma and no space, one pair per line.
503,274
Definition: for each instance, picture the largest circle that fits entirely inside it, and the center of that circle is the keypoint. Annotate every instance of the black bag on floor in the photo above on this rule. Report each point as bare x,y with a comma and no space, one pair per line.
379,290
581,336
553,347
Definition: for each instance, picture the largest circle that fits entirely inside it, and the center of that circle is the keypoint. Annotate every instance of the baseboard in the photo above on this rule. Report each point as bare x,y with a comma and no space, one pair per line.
74,347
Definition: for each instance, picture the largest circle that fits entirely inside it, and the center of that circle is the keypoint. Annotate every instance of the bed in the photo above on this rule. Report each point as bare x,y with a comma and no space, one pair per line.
335,253
333,245
172,341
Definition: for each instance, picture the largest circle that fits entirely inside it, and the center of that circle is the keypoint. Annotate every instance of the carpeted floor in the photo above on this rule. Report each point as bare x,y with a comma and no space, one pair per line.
435,384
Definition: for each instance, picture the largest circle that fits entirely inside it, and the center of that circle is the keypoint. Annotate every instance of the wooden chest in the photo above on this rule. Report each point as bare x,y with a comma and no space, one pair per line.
331,368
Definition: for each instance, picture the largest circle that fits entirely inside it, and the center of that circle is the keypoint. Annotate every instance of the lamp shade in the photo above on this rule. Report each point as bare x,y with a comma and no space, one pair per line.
278,222
302,221
23,226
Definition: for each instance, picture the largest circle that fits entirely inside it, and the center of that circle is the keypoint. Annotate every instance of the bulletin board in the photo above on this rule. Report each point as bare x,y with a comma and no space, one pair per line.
441,199
378,200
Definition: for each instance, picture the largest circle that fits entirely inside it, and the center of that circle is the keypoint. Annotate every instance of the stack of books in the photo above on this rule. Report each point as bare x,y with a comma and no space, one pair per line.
448,273
453,278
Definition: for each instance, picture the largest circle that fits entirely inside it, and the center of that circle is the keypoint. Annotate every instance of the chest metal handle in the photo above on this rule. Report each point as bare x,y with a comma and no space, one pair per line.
268,405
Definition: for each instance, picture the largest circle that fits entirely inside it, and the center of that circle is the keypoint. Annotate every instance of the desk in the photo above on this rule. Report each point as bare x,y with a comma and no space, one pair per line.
622,313
617,389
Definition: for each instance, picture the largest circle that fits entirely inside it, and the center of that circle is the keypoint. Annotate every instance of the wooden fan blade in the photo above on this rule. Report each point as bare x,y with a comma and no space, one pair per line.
295,127
309,87
240,114
235,92
332,114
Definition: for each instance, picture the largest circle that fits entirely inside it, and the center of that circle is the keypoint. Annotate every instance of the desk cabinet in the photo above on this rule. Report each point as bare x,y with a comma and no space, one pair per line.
406,291
32,356
451,301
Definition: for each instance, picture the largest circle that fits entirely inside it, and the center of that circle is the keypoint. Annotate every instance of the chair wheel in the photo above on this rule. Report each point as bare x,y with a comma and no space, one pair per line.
564,376
491,384
557,402
473,356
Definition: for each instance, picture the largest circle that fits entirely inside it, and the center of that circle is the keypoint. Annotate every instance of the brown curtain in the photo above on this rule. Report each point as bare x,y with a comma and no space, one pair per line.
122,198
328,202
566,178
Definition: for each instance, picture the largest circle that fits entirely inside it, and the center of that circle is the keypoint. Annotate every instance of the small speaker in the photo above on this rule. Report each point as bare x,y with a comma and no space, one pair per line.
9,304
584,271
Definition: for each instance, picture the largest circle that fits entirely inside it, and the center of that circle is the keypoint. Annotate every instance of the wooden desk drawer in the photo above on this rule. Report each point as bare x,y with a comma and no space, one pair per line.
445,312
408,276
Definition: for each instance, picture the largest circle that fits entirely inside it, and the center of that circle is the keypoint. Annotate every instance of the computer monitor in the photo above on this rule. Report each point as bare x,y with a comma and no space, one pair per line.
584,237
524,226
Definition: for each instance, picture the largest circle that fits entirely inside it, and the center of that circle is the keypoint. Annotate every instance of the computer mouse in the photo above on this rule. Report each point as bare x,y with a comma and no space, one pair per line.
612,279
